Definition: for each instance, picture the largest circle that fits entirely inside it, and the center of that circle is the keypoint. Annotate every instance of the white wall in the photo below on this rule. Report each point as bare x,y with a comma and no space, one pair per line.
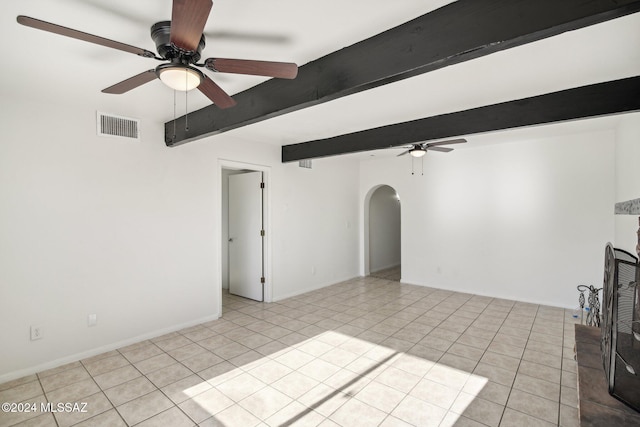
627,179
317,211
97,225
384,229
520,220
130,231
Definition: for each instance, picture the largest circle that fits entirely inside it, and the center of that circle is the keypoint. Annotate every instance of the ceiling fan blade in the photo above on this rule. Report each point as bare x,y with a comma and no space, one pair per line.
403,153
188,18
282,70
450,141
215,93
75,34
131,83
443,149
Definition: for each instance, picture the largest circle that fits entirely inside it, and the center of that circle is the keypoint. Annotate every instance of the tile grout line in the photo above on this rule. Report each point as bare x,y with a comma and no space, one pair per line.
487,349
564,319
444,352
55,420
518,368
559,384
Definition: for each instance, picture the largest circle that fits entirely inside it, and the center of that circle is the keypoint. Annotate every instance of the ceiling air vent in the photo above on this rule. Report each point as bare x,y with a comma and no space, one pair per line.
118,126
305,163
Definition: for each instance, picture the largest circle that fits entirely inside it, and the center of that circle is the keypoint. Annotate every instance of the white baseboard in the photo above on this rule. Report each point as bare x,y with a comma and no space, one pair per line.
102,349
480,292
311,288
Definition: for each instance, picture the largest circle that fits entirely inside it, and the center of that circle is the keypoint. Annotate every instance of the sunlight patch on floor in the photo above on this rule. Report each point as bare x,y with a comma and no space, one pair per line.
372,375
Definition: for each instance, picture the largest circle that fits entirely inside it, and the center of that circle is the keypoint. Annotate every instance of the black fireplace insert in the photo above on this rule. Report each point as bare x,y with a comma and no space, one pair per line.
620,342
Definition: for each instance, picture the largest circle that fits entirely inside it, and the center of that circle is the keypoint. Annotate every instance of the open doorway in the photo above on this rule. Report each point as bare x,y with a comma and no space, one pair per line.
244,267
384,239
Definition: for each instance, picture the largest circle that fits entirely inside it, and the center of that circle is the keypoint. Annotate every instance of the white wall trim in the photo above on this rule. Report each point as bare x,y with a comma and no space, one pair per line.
364,230
102,349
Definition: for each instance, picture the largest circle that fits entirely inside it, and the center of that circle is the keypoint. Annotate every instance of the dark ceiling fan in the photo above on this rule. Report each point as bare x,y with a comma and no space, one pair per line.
179,41
419,150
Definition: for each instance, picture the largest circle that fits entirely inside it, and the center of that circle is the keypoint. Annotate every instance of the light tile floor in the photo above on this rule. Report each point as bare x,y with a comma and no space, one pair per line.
366,352
393,274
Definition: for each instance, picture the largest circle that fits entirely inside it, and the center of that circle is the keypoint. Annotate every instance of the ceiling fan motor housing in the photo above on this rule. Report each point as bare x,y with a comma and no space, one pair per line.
161,35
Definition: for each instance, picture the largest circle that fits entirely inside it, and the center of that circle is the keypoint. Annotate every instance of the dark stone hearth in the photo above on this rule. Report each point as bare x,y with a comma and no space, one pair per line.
594,415
596,406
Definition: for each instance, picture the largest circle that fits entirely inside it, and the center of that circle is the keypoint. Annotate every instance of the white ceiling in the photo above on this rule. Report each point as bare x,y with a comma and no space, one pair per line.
56,69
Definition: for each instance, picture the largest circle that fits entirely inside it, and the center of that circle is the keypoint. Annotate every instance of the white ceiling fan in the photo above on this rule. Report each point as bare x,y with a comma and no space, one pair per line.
419,150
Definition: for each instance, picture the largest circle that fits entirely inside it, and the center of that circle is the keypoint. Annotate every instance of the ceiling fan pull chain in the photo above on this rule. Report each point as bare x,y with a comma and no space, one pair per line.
174,115
186,109
422,161
411,165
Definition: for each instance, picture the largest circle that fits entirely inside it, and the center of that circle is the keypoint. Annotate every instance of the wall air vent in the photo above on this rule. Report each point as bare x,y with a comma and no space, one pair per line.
117,126
305,163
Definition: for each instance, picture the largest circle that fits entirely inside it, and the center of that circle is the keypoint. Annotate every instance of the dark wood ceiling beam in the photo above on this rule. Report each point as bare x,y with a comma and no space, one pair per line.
618,96
457,32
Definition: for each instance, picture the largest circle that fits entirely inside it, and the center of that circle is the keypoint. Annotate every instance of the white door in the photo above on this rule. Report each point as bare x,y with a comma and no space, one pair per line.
245,239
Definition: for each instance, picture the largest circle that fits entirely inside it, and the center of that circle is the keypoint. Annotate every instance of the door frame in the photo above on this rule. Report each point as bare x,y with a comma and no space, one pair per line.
266,171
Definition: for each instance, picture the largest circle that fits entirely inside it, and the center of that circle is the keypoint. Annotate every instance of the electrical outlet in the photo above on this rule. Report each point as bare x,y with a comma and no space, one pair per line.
92,320
36,332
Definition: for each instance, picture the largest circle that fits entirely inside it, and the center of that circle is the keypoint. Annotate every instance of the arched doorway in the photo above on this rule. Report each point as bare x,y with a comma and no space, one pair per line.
383,231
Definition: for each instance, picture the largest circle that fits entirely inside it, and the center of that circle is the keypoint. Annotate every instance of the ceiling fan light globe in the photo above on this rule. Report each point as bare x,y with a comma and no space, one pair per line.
180,78
417,152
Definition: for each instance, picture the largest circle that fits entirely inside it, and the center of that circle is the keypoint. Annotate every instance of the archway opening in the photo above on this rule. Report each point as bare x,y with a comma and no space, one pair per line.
384,231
